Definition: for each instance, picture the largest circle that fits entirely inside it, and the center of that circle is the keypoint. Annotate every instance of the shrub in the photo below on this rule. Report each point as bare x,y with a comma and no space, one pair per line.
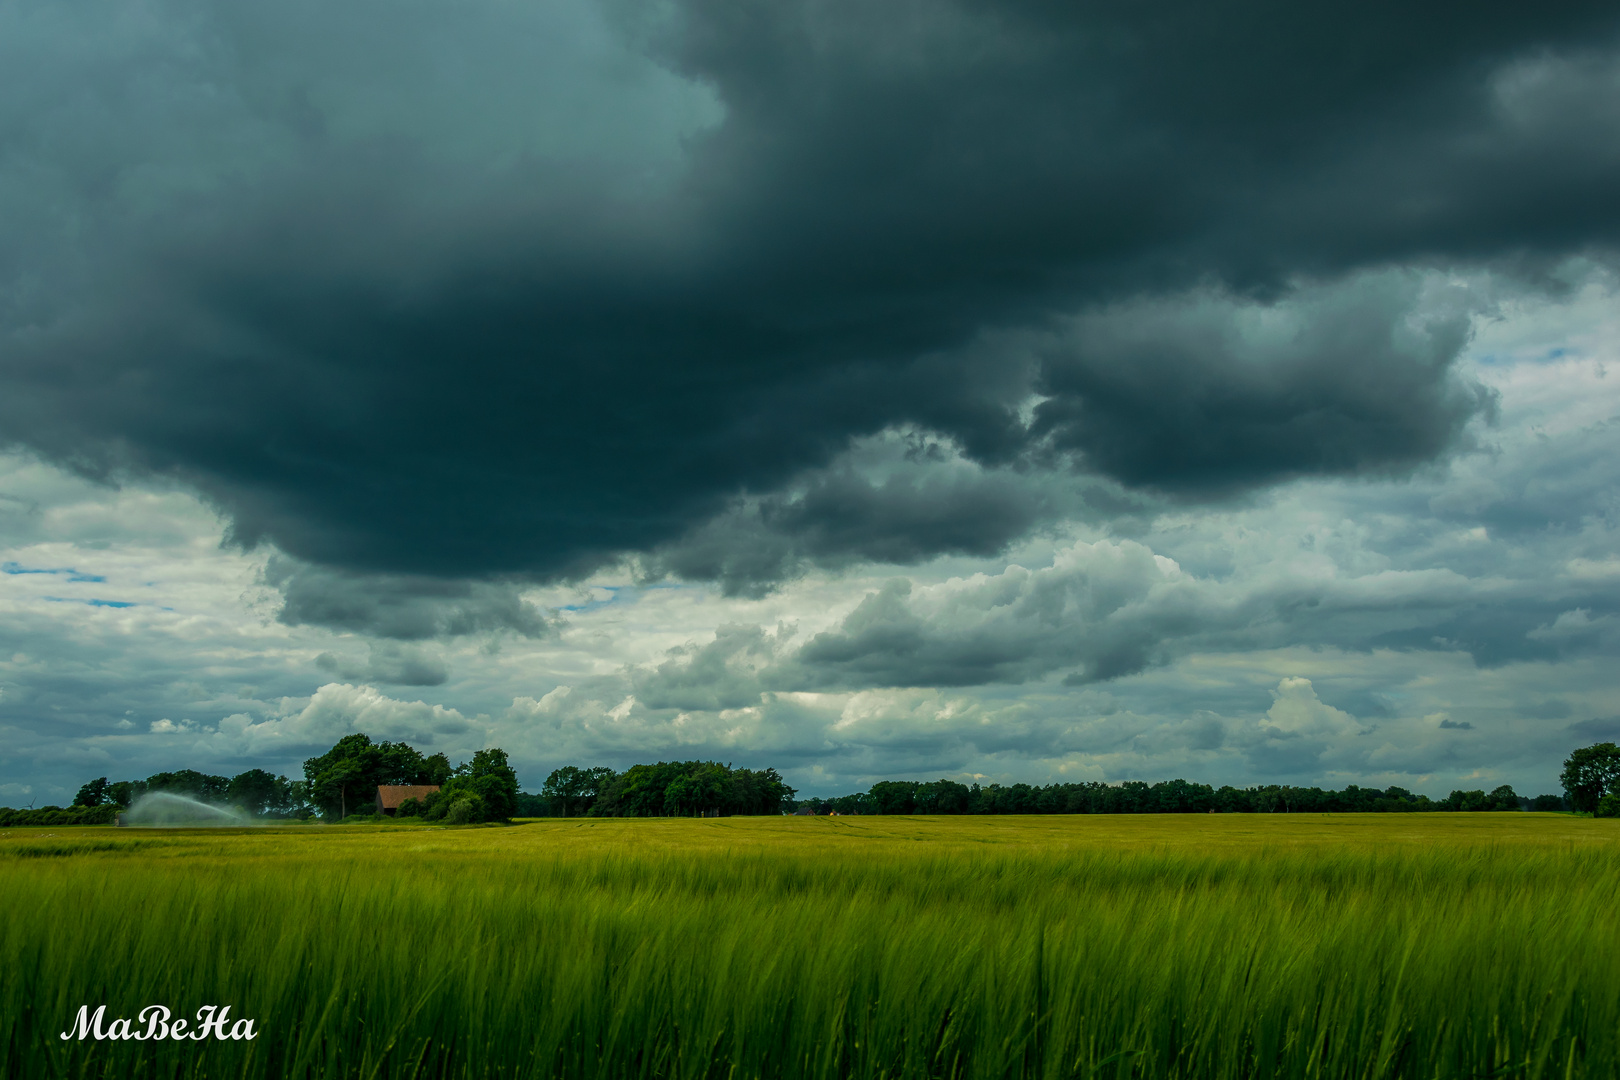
466,809
1608,806
411,807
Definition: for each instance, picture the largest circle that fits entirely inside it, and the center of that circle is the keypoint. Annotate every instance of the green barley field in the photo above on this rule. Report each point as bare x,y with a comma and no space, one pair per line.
1434,945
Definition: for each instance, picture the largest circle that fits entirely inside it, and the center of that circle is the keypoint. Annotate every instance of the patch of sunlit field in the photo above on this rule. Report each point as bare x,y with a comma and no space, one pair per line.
1365,946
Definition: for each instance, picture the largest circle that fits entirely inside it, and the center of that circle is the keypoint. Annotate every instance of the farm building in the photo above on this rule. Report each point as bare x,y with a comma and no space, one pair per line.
389,796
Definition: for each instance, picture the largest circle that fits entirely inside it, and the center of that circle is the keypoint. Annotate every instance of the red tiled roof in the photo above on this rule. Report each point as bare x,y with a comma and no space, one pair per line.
389,796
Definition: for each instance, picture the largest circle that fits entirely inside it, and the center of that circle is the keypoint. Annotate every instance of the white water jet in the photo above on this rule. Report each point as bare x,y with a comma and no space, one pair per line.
162,809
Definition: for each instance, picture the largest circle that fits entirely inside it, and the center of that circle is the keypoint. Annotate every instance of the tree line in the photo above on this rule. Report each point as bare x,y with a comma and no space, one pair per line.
337,785
1165,797
667,789
342,782
1591,782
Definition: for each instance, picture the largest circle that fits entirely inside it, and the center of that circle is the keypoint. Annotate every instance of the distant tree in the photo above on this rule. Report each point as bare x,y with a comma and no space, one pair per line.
436,769
1589,774
189,782
92,794
345,778
893,796
638,791
1547,803
689,788
488,780
941,797
493,780
300,800
530,805
1503,798
758,791
697,791
339,787
259,792
855,804
571,791
1183,797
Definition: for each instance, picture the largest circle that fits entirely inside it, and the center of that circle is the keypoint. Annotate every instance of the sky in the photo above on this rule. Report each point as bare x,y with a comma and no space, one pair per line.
895,389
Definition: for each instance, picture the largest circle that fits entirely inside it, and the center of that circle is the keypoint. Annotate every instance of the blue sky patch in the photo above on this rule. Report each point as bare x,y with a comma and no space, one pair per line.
92,602
72,574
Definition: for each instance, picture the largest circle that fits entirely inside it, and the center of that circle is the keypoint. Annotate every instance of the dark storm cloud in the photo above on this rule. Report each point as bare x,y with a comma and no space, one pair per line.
1212,395
1076,239
927,502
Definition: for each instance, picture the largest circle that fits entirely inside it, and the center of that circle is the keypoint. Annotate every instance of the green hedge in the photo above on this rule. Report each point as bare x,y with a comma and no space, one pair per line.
55,815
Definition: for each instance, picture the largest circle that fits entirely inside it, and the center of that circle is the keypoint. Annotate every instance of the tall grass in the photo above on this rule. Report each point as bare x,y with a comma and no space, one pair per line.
1227,948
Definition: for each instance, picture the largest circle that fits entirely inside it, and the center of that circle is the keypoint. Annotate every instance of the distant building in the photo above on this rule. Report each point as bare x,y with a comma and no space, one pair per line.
389,796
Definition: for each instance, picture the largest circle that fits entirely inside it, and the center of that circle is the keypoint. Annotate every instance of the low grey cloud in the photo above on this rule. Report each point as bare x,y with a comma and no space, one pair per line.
388,664
1605,727
1099,612
899,498
1369,576
407,607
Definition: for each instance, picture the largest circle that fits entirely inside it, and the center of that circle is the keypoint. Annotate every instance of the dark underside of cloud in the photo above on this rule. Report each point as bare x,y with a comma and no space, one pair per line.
1163,249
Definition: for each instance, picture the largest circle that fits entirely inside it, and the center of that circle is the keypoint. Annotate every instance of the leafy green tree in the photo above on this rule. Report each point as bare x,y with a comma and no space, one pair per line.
1547,803
530,805
494,781
337,788
200,786
346,777
259,792
338,777
1608,806
572,790
639,791
691,787
436,769
700,790
1183,797
488,780
1589,774
1503,798
941,797
92,794
893,796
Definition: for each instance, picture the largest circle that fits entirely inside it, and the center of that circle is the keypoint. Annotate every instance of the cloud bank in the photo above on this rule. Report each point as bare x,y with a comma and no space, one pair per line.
1016,390
509,291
